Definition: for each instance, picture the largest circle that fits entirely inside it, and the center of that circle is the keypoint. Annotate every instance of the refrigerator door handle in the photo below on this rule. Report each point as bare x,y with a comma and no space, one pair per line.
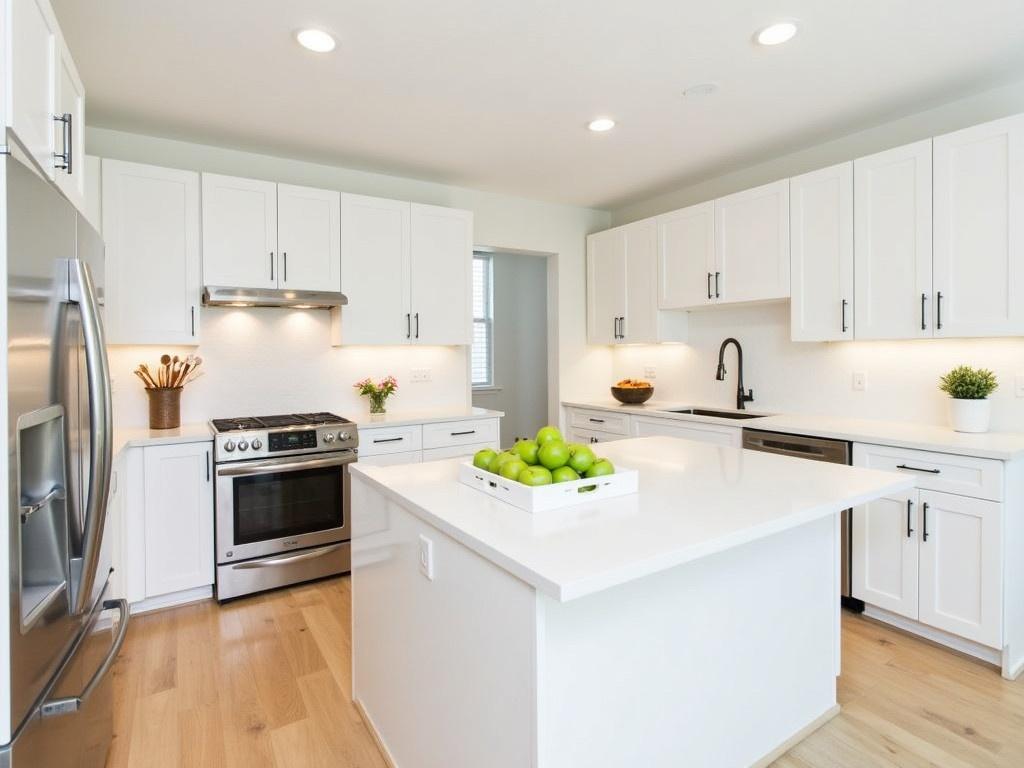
100,428
68,704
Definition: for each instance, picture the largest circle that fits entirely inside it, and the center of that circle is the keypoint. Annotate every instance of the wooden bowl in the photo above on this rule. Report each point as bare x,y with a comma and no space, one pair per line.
632,395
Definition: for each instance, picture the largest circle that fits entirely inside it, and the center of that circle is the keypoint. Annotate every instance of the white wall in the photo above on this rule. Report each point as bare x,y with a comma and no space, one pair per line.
520,345
805,377
260,360
814,377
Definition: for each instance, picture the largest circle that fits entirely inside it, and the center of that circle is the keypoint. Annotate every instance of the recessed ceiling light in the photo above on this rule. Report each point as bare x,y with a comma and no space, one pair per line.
601,124
699,90
315,40
775,34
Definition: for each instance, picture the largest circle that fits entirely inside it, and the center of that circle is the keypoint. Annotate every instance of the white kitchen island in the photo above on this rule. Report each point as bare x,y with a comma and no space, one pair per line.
695,623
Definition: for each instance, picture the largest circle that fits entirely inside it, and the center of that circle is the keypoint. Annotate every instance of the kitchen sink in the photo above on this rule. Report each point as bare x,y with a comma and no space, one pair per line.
719,414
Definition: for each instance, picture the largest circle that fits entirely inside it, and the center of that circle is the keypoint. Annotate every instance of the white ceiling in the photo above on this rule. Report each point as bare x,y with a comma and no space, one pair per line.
496,94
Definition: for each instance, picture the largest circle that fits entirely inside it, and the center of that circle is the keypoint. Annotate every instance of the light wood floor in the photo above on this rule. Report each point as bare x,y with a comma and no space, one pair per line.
265,681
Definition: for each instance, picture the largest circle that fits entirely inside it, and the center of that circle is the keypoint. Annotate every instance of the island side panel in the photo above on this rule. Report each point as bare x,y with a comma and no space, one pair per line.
711,664
444,669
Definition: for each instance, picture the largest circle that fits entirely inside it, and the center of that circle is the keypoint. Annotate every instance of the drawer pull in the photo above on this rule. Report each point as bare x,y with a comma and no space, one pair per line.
467,432
596,421
918,469
389,440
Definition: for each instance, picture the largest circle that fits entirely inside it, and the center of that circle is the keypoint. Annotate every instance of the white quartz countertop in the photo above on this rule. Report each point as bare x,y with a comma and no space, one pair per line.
695,500
1005,446
425,416
139,437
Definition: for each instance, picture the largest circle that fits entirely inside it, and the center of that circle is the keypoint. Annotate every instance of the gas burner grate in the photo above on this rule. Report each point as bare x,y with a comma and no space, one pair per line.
324,417
235,425
243,423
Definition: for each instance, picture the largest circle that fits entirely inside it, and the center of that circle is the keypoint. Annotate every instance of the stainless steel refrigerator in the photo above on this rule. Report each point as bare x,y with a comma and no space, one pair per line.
60,641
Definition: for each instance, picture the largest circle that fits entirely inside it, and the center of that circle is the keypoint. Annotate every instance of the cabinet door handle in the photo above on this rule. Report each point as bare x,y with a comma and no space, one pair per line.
271,265
193,321
64,159
918,469
924,322
718,294
938,311
924,521
417,325
207,466
622,327
709,285
843,316
408,325
284,273
615,328
910,509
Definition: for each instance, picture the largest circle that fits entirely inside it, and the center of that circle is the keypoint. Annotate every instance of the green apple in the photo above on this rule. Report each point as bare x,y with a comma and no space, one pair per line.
526,450
499,460
564,475
535,476
553,454
548,433
581,457
512,468
482,459
600,468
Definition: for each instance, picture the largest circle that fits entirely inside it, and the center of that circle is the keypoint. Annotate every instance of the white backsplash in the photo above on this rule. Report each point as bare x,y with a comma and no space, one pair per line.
803,377
263,361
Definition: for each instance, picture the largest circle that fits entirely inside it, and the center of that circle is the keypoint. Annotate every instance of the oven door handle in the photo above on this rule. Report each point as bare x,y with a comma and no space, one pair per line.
289,465
288,559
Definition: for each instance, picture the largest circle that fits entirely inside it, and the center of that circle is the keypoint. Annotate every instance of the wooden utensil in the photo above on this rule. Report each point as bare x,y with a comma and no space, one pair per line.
146,372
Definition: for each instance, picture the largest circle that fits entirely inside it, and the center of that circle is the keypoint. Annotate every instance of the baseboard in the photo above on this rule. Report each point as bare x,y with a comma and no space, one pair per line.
1012,671
937,636
797,737
172,600
368,722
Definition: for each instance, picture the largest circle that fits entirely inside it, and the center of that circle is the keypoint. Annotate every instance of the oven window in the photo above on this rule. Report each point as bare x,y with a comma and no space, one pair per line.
287,504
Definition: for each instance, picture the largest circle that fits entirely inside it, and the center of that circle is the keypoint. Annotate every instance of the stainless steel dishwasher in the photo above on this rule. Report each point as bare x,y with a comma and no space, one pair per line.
815,449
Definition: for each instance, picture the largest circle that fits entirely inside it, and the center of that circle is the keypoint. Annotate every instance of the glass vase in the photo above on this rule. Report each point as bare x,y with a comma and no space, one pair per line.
377,404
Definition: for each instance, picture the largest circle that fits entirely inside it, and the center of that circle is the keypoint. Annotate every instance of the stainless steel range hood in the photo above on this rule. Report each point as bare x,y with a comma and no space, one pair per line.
219,296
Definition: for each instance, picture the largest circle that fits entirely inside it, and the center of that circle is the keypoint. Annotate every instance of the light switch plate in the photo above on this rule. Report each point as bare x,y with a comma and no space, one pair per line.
419,375
650,372
860,381
427,557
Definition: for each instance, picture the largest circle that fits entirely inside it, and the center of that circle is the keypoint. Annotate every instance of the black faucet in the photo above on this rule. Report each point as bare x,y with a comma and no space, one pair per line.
741,396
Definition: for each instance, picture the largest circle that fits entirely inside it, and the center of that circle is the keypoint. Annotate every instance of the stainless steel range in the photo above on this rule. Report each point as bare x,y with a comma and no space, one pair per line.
282,499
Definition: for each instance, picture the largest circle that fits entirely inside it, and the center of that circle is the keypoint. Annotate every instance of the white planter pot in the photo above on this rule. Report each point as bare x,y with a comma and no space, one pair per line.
970,415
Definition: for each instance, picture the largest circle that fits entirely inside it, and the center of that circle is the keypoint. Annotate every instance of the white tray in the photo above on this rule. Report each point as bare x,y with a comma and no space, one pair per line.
541,498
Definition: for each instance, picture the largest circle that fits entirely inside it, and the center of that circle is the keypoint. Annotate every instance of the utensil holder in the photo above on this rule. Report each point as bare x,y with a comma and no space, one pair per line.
164,407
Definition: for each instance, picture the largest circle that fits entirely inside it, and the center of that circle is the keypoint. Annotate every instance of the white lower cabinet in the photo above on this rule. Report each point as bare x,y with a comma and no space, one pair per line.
178,516
930,556
644,426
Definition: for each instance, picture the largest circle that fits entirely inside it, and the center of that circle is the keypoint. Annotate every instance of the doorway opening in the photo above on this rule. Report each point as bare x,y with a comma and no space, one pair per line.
513,338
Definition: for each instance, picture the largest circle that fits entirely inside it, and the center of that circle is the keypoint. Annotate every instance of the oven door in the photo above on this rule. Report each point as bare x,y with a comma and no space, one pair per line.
277,505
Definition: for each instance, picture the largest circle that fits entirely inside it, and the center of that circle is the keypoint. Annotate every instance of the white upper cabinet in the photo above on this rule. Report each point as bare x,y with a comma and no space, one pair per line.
752,244
893,243
606,285
407,272
151,229
375,254
32,78
441,275
821,240
69,130
686,257
979,230
308,233
239,232
640,323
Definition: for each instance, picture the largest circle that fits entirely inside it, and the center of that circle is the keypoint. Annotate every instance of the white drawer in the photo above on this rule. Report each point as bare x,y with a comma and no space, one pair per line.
600,421
451,433
688,430
391,459
456,451
377,440
963,475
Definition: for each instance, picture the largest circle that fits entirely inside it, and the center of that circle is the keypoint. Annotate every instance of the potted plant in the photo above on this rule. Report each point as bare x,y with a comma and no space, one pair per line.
377,392
969,388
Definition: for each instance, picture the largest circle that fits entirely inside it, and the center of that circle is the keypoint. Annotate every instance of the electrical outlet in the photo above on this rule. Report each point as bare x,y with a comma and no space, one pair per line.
1018,385
419,375
860,381
427,557
650,372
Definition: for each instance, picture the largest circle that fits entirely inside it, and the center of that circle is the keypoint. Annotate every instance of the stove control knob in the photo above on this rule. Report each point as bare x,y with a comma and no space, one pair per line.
229,446
344,436
256,443
243,445
328,437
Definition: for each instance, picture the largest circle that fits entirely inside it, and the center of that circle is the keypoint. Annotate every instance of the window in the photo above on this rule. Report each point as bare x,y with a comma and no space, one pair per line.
482,357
